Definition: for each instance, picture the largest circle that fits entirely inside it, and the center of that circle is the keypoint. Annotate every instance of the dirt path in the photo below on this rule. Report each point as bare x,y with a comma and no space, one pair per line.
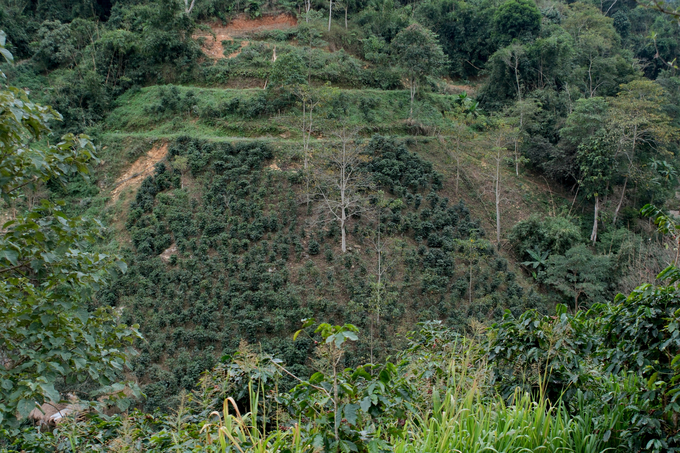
238,28
140,169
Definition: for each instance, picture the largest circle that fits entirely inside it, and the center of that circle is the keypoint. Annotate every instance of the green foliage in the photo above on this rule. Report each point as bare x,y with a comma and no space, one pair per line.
288,70
538,353
370,398
313,247
464,31
640,333
516,19
379,408
554,235
236,236
398,169
626,350
596,164
416,50
464,421
51,336
384,19
579,274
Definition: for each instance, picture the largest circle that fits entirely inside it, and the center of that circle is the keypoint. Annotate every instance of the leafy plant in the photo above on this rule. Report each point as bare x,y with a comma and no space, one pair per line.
50,335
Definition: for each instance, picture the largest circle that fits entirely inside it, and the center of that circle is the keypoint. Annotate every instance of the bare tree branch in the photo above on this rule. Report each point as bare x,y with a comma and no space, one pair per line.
340,182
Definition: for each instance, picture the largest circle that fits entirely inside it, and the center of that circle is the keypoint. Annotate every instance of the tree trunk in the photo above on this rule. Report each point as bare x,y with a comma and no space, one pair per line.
521,124
330,13
343,197
618,207
498,201
576,303
344,234
593,235
519,87
304,132
590,78
346,16
371,345
305,149
413,95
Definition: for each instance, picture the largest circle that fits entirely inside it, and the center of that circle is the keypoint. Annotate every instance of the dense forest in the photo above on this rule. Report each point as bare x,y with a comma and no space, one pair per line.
369,226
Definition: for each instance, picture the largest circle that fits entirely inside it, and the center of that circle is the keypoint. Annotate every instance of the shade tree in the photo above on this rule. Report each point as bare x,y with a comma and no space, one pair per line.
418,53
579,274
643,132
516,19
596,161
601,65
341,184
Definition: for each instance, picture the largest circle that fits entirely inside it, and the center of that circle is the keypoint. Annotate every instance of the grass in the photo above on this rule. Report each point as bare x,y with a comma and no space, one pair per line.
469,418
467,423
253,112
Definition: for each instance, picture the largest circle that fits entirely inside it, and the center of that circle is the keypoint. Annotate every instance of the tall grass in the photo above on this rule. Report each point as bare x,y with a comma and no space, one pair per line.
238,432
468,420
466,423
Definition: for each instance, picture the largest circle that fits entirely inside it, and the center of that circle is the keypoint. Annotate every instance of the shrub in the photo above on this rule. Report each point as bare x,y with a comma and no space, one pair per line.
555,235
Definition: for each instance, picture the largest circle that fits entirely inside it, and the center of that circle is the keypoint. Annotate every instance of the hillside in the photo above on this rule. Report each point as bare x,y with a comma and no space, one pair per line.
431,175
229,250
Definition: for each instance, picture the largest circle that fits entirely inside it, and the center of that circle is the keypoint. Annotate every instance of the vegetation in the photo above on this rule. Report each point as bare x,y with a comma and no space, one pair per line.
254,164
50,336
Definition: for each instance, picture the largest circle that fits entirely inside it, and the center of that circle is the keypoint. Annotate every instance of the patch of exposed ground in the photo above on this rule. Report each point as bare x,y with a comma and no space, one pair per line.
453,88
239,27
172,250
140,169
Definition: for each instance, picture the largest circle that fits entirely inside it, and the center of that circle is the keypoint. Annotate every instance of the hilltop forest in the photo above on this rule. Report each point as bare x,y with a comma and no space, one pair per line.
351,225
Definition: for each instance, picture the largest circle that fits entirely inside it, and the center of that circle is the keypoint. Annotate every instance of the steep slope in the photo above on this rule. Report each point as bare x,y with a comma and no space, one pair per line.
224,248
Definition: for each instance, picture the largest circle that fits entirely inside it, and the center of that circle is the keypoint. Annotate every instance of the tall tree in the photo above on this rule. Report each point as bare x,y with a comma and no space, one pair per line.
599,65
48,337
519,114
288,74
638,121
578,274
330,13
188,7
462,135
417,52
587,118
516,19
340,182
502,138
380,295
596,159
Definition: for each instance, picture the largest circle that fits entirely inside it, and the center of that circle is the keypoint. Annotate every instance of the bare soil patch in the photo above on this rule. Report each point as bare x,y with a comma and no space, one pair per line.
139,170
454,88
172,250
240,27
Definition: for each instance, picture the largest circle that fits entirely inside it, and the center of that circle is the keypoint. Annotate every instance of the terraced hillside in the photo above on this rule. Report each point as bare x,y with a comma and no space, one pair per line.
206,189
449,195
